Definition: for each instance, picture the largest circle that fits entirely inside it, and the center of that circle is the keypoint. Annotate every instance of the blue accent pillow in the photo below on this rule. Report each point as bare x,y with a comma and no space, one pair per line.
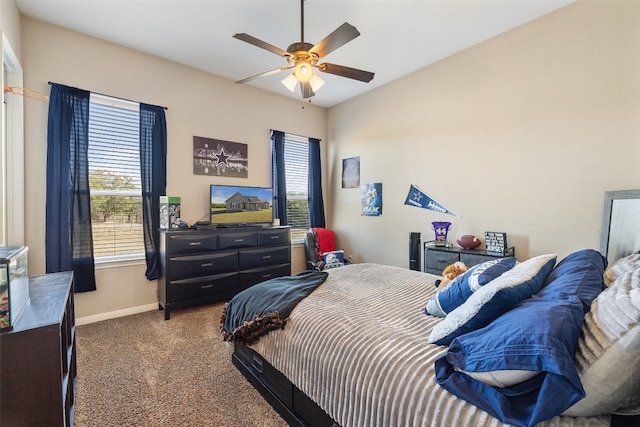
333,259
495,298
519,340
461,288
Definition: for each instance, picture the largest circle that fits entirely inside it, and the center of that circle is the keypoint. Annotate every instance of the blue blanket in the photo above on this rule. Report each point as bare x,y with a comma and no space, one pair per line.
266,306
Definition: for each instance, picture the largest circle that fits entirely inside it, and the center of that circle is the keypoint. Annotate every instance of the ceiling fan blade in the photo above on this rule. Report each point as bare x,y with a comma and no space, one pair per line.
307,92
351,73
340,36
261,44
264,74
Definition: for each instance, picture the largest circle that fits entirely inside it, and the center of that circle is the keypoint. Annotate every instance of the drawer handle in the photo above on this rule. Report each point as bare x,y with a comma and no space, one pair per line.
257,364
266,257
266,276
206,286
195,243
274,237
238,240
206,264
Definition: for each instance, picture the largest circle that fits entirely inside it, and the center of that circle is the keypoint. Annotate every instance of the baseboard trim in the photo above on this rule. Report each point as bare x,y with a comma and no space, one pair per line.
114,314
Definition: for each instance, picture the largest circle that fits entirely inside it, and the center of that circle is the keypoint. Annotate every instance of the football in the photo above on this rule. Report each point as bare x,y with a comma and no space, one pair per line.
468,241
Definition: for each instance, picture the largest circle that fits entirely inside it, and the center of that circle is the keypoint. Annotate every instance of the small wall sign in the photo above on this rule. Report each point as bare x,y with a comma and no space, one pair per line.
219,158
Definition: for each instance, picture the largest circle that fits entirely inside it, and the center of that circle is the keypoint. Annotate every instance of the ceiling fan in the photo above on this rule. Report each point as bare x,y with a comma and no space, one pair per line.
303,58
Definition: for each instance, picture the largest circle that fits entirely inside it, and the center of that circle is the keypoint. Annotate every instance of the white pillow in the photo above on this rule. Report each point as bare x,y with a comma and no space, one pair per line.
502,378
608,355
621,266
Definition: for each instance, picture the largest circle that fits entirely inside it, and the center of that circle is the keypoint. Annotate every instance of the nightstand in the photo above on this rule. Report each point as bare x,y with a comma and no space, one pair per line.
436,258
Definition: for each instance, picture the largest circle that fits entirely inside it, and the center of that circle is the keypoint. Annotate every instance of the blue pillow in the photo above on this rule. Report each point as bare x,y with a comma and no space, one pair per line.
519,340
333,259
461,288
577,274
495,298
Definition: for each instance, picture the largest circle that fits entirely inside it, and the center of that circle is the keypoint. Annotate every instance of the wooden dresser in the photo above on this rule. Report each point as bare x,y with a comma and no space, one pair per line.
38,362
202,266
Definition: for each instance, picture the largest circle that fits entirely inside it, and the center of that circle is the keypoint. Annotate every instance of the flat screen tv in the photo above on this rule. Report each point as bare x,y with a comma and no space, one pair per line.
241,205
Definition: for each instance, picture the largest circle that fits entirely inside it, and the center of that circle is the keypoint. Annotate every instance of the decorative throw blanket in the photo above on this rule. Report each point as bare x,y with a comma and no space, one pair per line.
325,241
266,306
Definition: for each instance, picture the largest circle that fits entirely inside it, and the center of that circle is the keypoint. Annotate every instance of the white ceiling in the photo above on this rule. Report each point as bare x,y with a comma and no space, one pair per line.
397,36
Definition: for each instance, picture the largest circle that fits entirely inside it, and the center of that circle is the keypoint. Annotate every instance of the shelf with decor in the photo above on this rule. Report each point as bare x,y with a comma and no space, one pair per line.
38,371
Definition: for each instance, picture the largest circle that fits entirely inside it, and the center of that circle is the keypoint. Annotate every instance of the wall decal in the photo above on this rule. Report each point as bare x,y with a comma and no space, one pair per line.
219,158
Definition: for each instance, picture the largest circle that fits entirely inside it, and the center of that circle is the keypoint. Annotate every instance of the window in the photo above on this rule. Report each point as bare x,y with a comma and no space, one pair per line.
114,178
296,160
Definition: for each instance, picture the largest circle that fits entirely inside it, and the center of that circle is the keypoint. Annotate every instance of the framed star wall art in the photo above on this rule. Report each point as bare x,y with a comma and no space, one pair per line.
219,158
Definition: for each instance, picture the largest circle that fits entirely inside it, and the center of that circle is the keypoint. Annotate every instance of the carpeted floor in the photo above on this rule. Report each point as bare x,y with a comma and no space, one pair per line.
141,370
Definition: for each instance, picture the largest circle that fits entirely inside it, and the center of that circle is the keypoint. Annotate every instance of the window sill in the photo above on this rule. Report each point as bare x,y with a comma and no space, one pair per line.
119,261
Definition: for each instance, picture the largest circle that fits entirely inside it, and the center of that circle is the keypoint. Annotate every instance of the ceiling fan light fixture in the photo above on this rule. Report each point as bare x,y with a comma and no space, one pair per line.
290,82
316,82
304,71
303,57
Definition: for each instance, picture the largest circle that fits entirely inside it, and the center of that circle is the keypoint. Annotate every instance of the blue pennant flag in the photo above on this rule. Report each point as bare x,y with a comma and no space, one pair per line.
420,199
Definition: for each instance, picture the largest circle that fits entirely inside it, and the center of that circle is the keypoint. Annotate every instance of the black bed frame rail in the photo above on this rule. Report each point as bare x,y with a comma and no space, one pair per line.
625,421
287,399
300,411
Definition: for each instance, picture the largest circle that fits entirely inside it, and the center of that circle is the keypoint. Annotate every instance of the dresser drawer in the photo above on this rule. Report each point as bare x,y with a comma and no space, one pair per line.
201,265
438,260
279,236
251,258
237,240
256,275
223,285
472,259
192,242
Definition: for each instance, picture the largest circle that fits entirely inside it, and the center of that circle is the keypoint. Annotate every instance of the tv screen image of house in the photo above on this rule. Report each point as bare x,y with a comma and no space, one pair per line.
239,205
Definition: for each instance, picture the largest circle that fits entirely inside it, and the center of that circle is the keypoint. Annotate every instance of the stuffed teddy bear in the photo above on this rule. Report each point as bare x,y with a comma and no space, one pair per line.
451,272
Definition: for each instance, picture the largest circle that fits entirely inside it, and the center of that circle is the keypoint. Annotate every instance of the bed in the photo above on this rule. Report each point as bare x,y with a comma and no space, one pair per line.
359,350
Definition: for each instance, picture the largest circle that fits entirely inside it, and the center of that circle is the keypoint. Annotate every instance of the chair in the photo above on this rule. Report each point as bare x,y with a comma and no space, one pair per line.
320,249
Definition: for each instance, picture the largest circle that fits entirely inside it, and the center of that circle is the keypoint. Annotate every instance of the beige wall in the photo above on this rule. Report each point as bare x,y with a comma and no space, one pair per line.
198,104
523,134
10,24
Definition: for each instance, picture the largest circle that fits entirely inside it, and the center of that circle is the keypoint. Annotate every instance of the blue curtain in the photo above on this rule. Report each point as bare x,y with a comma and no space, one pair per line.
68,238
316,203
279,182
153,167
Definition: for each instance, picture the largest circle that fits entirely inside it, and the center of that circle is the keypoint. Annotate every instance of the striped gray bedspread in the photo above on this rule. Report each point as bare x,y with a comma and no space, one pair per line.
358,347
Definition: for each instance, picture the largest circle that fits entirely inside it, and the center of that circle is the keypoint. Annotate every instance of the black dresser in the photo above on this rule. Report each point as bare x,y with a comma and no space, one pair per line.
437,258
203,266
38,373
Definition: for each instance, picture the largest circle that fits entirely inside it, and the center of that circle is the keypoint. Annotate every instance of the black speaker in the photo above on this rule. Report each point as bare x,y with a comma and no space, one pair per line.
414,251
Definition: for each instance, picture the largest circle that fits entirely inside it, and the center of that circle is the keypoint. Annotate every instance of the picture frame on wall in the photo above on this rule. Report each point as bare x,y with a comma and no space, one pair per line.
216,157
351,172
371,195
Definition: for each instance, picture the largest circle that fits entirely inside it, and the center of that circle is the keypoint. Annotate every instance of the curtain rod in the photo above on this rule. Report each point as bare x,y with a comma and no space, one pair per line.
111,96
294,134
